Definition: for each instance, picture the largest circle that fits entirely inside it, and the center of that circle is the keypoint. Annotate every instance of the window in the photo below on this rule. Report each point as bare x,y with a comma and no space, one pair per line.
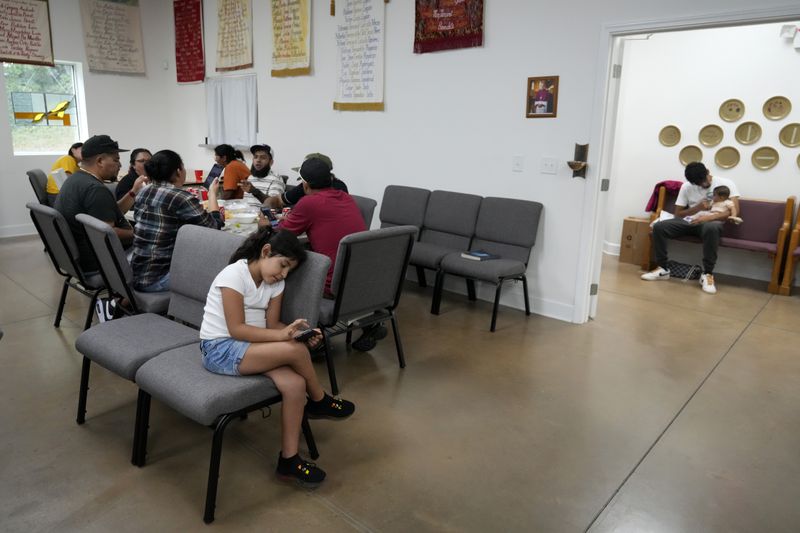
45,107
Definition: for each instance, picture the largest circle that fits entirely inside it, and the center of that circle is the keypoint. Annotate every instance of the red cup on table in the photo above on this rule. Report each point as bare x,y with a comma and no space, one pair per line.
205,194
198,176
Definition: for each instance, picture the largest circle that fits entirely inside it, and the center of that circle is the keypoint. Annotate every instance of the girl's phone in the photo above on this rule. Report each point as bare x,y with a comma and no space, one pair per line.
269,214
304,335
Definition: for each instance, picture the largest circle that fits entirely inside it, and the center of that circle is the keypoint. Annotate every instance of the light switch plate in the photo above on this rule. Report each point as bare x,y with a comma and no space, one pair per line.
549,165
517,163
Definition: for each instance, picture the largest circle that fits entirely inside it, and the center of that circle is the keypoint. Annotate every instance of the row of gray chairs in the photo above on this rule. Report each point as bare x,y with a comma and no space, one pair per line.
451,223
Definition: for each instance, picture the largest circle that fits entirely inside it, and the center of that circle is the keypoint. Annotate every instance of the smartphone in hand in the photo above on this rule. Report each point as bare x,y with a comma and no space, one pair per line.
305,334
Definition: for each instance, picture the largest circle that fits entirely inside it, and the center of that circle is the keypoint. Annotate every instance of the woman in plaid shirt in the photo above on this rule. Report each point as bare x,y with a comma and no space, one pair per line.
160,210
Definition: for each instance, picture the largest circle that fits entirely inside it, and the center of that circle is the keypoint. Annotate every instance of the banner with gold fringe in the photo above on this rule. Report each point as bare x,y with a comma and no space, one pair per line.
360,28
447,24
291,38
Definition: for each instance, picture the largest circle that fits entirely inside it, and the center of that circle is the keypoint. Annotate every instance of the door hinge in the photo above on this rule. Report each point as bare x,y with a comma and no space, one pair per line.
593,289
605,184
616,71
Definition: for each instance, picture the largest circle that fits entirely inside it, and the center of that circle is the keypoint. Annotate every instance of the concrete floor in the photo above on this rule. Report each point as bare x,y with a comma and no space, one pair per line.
673,411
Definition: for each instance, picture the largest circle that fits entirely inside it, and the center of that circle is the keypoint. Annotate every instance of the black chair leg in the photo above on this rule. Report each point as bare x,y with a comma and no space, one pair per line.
329,362
401,359
90,314
348,338
83,391
61,303
421,277
310,442
525,294
471,290
437,292
496,304
213,469
140,429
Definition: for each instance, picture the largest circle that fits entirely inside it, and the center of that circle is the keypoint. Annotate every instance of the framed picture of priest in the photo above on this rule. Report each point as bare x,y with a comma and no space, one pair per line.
542,97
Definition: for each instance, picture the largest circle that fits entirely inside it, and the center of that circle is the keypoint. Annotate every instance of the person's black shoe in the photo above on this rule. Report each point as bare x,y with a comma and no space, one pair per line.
329,407
297,469
370,337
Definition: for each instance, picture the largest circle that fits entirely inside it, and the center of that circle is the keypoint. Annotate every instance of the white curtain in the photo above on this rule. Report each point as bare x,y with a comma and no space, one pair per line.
231,104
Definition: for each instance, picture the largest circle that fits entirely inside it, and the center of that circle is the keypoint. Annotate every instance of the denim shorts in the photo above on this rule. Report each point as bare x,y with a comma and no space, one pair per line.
222,356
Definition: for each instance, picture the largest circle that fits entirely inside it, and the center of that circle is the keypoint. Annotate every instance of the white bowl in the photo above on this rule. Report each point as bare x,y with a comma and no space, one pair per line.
244,218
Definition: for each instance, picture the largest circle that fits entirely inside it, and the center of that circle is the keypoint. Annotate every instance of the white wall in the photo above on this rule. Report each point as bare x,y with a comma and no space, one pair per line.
453,119
681,78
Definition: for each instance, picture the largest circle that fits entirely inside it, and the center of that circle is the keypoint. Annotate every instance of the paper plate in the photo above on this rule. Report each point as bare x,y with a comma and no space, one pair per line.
710,135
748,132
727,157
765,158
690,154
777,107
669,135
731,110
790,135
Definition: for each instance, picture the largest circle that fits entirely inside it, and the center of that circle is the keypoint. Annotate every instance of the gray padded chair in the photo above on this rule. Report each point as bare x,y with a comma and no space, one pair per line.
63,251
367,280
506,227
448,227
177,377
38,180
367,208
403,206
116,270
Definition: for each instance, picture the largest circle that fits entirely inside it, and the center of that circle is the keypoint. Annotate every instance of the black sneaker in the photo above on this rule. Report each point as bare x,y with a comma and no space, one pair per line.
297,469
370,337
329,407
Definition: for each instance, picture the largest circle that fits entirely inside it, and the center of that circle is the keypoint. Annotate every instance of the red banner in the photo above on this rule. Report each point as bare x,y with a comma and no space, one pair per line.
190,61
448,24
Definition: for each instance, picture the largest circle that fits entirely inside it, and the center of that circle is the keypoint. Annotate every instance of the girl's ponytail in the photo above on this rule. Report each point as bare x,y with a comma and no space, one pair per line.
281,242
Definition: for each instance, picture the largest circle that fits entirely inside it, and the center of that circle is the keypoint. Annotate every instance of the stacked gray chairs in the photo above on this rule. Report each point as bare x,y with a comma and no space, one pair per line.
63,251
116,270
367,282
177,377
405,206
366,206
38,181
507,228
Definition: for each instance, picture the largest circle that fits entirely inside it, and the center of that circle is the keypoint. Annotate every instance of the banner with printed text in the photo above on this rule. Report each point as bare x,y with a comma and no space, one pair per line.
190,63
447,24
234,35
112,36
25,32
291,38
360,43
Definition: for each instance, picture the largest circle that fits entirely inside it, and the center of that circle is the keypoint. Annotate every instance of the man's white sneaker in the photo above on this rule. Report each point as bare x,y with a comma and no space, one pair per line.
707,283
655,275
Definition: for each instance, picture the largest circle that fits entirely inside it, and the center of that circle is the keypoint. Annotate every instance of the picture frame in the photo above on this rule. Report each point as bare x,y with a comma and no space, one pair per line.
541,97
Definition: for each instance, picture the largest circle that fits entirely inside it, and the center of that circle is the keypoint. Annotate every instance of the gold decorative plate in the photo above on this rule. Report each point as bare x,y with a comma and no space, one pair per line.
748,132
777,107
727,157
790,135
731,110
798,160
669,135
690,154
710,135
765,158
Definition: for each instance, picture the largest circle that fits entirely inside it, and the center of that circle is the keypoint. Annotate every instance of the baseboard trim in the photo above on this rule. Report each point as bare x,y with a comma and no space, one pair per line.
18,230
611,248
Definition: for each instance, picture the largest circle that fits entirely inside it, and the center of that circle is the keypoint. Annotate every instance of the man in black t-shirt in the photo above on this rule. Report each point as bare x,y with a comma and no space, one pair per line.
85,192
293,195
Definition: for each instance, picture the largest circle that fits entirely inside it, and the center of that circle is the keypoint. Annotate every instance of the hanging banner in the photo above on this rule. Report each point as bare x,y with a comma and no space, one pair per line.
25,32
234,35
112,36
190,63
360,44
291,38
448,24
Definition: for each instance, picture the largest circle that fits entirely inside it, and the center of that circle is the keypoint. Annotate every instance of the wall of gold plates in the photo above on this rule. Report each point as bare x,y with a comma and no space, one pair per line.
726,155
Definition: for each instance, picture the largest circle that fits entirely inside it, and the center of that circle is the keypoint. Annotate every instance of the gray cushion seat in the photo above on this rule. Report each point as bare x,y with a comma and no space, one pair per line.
448,227
430,255
123,345
179,379
152,302
491,271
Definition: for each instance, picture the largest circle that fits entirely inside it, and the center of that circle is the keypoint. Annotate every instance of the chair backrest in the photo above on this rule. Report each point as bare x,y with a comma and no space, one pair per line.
762,220
57,238
370,269
366,206
403,206
38,180
114,266
304,287
199,255
507,227
450,219
666,200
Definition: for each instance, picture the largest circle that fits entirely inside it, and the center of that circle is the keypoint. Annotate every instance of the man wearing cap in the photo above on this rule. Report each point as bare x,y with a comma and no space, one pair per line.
293,195
263,182
85,192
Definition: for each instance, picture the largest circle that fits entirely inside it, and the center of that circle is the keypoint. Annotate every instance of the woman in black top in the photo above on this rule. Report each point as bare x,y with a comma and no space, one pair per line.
139,157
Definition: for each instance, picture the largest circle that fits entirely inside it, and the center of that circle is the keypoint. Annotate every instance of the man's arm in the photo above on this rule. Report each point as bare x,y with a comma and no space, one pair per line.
682,211
126,202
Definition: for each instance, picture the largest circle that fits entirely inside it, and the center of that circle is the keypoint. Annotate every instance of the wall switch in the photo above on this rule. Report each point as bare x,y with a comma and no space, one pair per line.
517,163
549,165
